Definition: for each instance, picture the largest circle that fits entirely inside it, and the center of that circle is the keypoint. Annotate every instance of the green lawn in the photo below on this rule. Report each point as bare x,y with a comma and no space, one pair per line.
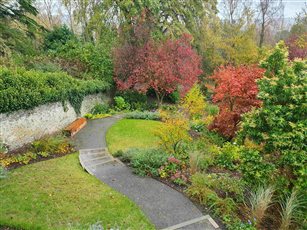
130,133
58,194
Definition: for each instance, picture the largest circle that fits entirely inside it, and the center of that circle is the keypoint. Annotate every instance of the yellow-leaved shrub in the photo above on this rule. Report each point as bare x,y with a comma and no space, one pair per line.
173,132
193,104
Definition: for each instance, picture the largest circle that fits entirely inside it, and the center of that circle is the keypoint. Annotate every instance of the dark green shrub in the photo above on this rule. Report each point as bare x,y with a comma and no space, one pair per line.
212,137
146,161
100,109
120,104
136,100
174,97
57,37
254,168
90,61
146,115
21,89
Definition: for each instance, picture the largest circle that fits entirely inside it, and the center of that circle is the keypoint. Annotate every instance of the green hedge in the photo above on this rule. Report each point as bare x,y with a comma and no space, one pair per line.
22,89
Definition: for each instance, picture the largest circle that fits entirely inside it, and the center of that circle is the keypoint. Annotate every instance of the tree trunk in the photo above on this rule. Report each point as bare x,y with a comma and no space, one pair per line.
262,32
160,98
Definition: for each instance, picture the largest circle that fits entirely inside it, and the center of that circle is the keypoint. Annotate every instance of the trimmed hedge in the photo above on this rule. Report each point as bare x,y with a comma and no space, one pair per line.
22,89
145,115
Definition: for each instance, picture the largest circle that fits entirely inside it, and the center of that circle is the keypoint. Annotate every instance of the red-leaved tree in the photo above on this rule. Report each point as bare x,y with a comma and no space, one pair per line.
161,66
297,46
235,93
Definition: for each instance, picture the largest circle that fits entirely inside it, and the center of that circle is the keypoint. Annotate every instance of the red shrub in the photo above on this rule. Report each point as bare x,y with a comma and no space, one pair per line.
235,93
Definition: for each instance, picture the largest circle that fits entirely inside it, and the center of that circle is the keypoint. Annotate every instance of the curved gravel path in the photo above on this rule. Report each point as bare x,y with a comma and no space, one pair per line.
165,207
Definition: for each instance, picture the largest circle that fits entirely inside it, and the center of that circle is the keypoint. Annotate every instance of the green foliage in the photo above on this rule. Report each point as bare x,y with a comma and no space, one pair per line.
146,115
44,148
200,191
280,124
212,137
120,103
212,109
225,206
21,89
13,40
205,188
175,170
174,97
223,43
300,25
147,161
200,160
190,13
52,145
100,109
223,184
39,62
255,169
229,156
91,61
57,37
17,27
136,100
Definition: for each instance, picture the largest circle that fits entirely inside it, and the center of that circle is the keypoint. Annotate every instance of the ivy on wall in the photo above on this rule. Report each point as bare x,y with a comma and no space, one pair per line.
22,89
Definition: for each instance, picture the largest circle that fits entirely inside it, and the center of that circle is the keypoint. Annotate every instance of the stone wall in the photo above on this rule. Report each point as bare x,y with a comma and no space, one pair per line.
24,126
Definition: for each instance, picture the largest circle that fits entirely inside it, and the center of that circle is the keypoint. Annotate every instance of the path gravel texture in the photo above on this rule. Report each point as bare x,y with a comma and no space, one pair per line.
164,206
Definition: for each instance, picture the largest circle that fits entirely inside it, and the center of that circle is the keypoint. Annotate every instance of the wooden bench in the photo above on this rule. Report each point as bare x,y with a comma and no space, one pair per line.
75,127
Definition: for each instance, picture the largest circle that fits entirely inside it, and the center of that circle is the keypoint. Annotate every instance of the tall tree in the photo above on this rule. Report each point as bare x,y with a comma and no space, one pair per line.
300,25
50,13
222,42
269,11
69,6
161,66
16,24
233,10
173,17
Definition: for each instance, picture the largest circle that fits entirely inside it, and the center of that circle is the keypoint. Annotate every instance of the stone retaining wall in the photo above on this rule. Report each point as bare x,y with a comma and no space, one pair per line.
24,126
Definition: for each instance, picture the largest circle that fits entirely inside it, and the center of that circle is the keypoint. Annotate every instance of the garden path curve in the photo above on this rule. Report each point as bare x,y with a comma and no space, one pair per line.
164,206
